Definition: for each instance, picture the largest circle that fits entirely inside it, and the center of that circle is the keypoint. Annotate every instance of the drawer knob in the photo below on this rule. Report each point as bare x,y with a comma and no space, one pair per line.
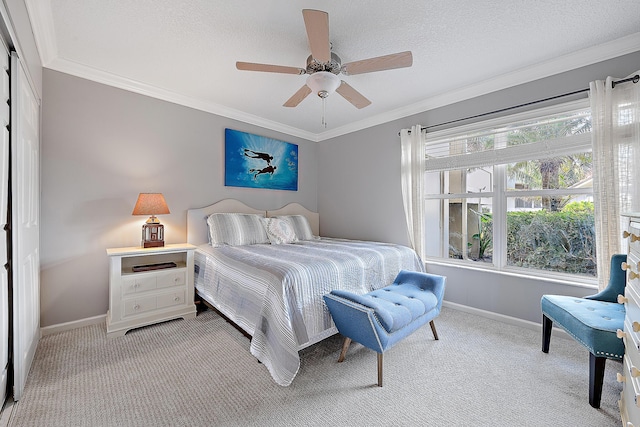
636,326
176,299
635,372
622,299
621,378
633,275
624,266
136,307
621,334
634,238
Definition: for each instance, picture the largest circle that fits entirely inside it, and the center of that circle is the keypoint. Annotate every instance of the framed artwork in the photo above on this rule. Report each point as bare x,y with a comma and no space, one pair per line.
259,162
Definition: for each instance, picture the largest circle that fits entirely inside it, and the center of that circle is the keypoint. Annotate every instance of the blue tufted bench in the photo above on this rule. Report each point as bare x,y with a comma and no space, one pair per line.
380,319
593,321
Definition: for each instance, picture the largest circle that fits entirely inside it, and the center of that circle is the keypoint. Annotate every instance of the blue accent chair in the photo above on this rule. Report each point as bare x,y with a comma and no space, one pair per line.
593,321
380,319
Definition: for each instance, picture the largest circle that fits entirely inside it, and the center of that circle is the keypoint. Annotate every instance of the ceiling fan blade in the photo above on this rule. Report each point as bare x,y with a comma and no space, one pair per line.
298,97
380,63
352,95
252,66
317,24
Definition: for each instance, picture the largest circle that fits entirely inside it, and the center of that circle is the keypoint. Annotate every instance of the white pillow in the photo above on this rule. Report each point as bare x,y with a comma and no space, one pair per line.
279,231
300,225
235,229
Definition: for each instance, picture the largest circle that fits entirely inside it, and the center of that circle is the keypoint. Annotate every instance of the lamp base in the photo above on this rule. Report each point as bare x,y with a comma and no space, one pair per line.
152,235
152,244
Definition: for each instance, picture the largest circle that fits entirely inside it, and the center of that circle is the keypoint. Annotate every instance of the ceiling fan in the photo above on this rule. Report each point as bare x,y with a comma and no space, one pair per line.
323,66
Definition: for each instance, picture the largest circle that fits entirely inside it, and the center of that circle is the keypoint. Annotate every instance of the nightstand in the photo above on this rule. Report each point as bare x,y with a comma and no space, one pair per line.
149,285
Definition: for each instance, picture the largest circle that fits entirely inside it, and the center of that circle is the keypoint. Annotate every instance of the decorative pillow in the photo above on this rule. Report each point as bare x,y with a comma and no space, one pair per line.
300,226
235,229
279,230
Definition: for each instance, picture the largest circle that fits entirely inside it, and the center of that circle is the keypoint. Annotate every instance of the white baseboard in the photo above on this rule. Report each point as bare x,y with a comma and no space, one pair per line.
505,319
61,327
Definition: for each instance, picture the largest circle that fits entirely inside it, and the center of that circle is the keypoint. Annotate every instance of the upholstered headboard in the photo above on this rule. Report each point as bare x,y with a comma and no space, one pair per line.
197,232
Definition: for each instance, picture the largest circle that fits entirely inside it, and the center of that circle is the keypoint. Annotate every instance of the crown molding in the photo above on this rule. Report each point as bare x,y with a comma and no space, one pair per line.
109,79
581,58
41,18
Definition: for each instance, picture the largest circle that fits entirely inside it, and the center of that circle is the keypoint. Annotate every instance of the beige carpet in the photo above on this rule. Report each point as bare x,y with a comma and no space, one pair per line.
199,372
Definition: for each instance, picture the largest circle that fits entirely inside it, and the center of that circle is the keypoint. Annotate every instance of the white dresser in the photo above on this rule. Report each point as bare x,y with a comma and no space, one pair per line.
149,285
630,376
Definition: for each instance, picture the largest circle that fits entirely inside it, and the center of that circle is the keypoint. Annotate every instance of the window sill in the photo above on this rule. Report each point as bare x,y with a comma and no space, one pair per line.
586,283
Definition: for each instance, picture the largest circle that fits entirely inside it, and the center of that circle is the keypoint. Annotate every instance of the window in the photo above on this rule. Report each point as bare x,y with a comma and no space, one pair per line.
514,193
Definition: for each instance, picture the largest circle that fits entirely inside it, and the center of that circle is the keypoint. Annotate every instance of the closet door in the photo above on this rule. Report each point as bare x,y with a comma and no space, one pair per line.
25,223
4,187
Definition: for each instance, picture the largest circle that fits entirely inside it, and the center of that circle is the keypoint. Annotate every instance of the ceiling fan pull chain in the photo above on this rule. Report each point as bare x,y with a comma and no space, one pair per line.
324,121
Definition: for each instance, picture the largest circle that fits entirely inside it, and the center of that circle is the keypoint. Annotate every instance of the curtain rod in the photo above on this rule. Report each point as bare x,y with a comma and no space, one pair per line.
633,79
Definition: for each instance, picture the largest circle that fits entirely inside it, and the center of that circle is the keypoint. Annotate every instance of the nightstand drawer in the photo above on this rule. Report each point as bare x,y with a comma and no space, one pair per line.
169,300
173,278
137,284
137,306
149,281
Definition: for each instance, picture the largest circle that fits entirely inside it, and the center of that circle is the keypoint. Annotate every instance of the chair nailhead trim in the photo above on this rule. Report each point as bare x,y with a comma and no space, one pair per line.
611,355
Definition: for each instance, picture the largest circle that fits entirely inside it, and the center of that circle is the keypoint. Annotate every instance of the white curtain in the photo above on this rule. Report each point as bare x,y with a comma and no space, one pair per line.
412,178
616,164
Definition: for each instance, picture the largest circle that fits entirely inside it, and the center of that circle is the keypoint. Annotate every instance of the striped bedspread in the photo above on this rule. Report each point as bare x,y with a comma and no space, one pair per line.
274,292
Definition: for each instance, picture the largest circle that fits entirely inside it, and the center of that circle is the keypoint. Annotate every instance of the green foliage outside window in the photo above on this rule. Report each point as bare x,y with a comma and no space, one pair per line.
562,241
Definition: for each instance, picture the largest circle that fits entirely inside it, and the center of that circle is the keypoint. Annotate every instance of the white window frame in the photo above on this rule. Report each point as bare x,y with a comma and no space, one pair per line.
499,193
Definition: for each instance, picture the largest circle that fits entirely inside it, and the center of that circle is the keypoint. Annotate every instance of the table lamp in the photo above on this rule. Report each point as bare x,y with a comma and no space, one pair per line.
151,204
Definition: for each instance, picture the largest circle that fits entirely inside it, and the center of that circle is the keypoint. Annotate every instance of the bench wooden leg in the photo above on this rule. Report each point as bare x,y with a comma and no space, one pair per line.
379,369
596,377
345,347
546,333
433,329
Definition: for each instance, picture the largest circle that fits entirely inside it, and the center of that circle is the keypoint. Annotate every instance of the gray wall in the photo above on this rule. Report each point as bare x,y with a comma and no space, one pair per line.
359,194
102,146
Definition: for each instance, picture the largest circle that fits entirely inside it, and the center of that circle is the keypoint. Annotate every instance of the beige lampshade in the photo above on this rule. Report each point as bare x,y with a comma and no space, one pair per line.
151,204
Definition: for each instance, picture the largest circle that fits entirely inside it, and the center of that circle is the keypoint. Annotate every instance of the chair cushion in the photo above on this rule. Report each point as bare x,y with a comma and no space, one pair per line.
395,306
592,323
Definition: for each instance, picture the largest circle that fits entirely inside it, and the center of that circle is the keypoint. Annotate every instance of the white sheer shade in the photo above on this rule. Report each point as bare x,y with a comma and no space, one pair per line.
412,174
616,162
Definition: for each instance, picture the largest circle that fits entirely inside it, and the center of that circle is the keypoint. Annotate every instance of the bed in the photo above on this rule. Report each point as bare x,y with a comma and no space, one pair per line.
273,289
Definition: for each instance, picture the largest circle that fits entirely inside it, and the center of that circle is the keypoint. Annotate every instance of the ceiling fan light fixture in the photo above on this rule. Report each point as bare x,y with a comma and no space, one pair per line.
323,83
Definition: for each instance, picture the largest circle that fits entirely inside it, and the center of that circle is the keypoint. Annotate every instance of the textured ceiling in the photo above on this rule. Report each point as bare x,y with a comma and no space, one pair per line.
185,50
